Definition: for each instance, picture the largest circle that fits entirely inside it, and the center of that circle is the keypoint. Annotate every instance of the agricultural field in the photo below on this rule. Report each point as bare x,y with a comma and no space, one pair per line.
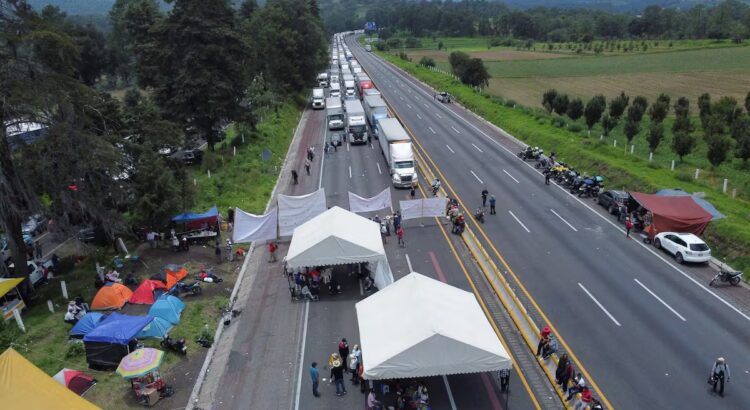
689,68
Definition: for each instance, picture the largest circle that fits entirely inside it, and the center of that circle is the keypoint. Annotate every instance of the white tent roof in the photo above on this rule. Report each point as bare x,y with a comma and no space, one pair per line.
420,327
335,237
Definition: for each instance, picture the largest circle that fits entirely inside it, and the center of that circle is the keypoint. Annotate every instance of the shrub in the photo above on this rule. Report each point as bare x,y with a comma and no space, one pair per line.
427,61
412,42
75,350
496,100
394,42
510,103
403,56
381,46
684,176
575,128
558,122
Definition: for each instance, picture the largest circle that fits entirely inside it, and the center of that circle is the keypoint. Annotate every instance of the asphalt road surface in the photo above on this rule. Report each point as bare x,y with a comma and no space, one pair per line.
645,330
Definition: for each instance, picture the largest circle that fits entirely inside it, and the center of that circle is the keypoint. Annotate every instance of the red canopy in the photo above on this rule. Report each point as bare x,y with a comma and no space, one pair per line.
674,213
144,295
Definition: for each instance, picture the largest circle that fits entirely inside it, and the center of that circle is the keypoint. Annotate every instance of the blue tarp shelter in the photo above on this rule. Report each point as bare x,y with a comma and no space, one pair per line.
117,328
158,328
86,324
113,339
715,214
168,307
190,217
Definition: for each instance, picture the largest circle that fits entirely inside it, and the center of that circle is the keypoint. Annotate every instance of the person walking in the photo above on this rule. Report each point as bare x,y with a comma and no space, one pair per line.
311,153
38,249
719,371
492,205
337,375
315,376
294,176
400,235
307,166
151,239
397,220
413,192
484,197
353,364
344,350
217,252
547,175
628,227
562,364
272,251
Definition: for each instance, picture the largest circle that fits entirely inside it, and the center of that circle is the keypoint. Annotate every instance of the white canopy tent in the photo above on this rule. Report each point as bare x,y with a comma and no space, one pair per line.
420,327
338,237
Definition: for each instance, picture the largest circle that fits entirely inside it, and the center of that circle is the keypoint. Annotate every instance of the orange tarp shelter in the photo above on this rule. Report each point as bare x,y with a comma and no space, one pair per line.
111,296
174,276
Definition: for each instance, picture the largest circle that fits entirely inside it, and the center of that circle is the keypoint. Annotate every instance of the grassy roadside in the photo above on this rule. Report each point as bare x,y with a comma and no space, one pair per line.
235,181
728,237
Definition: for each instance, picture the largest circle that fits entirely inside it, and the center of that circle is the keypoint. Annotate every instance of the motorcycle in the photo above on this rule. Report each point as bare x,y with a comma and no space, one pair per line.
725,275
177,345
435,188
181,288
479,215
531,153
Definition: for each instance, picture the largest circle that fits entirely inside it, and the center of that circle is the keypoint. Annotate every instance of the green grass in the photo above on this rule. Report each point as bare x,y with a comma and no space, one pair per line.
719,59
729,237
243,180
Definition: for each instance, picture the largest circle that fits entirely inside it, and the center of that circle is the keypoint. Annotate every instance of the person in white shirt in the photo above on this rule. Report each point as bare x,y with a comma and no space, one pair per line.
719,371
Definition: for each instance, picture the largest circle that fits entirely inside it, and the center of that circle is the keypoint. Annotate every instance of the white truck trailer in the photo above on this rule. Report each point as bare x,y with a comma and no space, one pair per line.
397,150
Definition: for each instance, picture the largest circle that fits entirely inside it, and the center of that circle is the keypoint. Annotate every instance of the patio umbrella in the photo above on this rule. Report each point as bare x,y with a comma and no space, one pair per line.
140,362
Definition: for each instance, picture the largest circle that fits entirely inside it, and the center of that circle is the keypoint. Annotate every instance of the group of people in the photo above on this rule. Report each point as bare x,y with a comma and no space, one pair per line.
77,308
385,227
455,216
344,361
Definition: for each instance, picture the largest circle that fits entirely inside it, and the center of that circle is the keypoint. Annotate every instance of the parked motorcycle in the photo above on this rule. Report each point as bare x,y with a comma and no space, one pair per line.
725,275
178,345
531,153
181,288
479,215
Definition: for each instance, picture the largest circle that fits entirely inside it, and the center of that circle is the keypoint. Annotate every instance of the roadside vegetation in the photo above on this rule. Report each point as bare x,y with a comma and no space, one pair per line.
729,237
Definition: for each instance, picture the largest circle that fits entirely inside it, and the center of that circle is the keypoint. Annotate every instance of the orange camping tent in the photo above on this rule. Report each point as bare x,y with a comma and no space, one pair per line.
174,276
111,296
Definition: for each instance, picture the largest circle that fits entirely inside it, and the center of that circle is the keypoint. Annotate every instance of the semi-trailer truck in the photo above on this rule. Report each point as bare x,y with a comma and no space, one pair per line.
350,92
318,98
356,124
375,109
396,146
334,113
323,80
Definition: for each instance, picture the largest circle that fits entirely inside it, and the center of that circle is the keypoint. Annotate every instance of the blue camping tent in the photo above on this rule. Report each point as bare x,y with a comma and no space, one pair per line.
112,340
86,324
157,328
168,307
700,201
117,328
188,217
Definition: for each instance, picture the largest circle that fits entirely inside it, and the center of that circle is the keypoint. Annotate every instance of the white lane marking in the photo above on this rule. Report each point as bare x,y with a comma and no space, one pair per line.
450,393
425,105
511,176
409,105
450,149
419,116
323,157
51,251
454,129
347,147
433,131
599,304
408,262
302,355
563,219
350,172
39,238
439,116
379,171
660,300
519,221
372,146
475,176
478,149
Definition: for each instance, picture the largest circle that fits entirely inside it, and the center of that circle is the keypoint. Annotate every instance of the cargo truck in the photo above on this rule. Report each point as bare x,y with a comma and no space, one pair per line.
335,90
334,113
323,80
356,124
318,99
375,109
363,83
349,91
396,146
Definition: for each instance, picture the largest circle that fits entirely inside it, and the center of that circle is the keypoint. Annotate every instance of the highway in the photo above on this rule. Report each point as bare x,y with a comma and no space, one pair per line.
641,326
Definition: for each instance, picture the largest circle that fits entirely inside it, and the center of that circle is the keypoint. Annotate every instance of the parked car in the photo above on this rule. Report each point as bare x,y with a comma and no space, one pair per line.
612,200
5,248
36,270
444,97
188,156
35,224
686,247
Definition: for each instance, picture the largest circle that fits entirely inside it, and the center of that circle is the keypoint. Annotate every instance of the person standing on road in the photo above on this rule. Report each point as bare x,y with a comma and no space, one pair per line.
718,373
337,375
504,380
315,376
547,175
311,153
628,226
492,205
272,251
38,249
413,192
228,247
307,166
400,235
397,220
562,364
353,364
294,177
217,252
484,197
344,350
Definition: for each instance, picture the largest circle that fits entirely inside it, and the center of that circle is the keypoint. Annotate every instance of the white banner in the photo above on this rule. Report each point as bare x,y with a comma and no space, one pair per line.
296,210
249,227
376,203
423,208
